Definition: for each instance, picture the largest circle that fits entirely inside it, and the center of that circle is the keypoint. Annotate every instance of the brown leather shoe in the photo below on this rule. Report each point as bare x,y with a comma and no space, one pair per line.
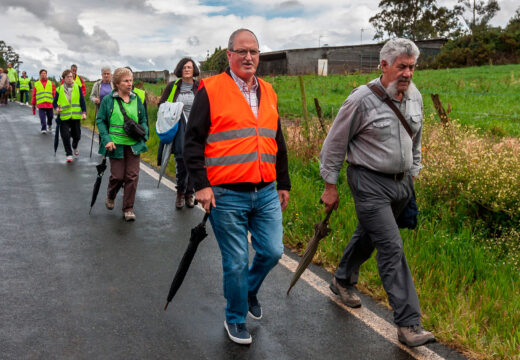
179,201
414,335
347,294
190,200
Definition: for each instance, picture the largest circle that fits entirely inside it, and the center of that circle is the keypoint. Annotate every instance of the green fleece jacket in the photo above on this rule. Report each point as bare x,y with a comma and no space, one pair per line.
103,123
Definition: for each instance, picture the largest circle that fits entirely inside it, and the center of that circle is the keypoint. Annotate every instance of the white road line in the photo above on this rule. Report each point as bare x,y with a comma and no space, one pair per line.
379,325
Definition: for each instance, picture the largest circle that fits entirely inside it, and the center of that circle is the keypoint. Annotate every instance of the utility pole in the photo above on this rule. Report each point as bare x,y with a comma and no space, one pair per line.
362,29
319,39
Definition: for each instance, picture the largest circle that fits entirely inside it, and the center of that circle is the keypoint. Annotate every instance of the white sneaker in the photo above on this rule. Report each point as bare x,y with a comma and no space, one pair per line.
49,128
44,131
69,159
76,152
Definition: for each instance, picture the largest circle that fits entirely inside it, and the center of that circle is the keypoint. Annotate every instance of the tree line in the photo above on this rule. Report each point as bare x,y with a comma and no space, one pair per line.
8,55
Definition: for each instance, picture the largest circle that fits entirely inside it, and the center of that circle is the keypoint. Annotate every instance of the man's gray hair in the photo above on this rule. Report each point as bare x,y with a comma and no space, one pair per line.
104,68
231,40
398,47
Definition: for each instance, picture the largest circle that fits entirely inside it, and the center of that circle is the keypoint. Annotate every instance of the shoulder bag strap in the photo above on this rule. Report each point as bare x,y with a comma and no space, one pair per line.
118,99
384,97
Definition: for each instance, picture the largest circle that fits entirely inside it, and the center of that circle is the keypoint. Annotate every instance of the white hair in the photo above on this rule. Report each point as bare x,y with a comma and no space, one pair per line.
397,47
104,68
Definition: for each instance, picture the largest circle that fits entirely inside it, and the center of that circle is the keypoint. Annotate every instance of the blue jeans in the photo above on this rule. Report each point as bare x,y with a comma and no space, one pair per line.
258,212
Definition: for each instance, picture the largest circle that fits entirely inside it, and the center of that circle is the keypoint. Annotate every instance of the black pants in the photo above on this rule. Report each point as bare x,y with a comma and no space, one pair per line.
184,183
24,94
68,129
12,95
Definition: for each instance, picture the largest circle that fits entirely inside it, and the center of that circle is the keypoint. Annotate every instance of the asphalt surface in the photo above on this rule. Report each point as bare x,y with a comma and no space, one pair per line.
75,286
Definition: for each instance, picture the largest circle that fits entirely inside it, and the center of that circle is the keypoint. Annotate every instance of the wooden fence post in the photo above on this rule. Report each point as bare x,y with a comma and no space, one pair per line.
320,117
304,108
440,109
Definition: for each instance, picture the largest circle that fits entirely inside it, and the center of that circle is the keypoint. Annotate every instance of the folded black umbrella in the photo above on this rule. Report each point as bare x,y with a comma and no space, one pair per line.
321,230
100,171
57,134
198,233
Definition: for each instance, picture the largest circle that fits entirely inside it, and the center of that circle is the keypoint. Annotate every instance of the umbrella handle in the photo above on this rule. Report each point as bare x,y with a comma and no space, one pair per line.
328,215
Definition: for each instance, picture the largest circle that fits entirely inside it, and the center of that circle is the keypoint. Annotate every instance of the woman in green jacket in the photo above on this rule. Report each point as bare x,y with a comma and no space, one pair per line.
123,150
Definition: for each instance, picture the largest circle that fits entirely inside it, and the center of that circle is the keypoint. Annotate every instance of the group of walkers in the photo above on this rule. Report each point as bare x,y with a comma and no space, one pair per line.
231,157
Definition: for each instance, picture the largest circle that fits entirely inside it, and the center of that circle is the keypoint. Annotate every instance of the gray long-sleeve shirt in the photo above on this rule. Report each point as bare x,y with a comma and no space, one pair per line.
369,133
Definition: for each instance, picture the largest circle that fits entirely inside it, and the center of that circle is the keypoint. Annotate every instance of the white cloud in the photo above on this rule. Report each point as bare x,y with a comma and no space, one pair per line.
126,32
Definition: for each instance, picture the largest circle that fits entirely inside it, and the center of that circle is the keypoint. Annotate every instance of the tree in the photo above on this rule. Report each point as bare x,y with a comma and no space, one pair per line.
416,20
7,55
481,13
217,61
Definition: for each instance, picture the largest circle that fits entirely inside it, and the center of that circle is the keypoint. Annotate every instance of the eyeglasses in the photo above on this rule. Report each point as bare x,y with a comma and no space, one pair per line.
243,52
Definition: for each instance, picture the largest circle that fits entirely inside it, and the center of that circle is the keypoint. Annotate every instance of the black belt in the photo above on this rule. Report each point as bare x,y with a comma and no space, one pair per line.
395,177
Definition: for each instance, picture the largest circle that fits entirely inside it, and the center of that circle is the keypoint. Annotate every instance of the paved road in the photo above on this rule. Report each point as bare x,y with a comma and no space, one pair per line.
75,286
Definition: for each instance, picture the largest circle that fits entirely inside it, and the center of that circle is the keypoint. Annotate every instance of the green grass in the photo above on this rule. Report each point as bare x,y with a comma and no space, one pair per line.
487,97
469,295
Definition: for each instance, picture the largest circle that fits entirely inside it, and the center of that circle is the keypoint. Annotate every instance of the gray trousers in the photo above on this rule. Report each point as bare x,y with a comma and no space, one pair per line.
378,201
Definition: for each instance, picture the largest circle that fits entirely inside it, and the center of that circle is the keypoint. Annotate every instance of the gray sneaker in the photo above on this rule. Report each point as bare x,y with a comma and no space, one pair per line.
347,294
129,215
414,335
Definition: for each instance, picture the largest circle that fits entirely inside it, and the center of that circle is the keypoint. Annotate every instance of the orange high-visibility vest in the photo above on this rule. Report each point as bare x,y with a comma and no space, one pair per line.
240,147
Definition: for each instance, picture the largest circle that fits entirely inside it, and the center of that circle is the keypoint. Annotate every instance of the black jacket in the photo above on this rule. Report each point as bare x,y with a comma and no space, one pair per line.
178,141
195,142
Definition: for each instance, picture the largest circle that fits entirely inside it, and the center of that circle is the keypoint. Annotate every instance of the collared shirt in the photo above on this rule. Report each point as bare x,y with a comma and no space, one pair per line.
369,133
249,94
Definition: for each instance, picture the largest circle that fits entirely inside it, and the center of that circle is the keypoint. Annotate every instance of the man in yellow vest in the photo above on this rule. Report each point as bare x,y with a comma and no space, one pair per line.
12,74
77,79
69,103
24,84
235,151
42,95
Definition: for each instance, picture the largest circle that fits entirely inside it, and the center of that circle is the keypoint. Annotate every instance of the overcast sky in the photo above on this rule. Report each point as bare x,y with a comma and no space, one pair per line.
155,34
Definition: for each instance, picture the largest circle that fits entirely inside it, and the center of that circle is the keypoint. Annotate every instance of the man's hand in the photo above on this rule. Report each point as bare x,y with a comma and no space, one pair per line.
110,146
84,116
96,101
330,197
283,195
58,110
206,198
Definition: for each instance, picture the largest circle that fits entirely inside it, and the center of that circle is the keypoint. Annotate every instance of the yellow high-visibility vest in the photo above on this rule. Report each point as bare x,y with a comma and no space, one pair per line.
70,110
43,95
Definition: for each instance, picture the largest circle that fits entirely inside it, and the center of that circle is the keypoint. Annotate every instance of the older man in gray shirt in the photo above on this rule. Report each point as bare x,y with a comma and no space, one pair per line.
384,157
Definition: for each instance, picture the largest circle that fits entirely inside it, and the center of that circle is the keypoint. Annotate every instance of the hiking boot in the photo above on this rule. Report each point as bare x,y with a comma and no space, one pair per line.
109,204
190,200
129,215
254,308
347,294
414,335
69,159
179,201
238,333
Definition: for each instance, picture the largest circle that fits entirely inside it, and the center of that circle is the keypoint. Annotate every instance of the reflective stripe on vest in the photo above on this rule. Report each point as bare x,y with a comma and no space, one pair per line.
70,110
239,146
140,93
174,88
116,130
24,84
43,95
